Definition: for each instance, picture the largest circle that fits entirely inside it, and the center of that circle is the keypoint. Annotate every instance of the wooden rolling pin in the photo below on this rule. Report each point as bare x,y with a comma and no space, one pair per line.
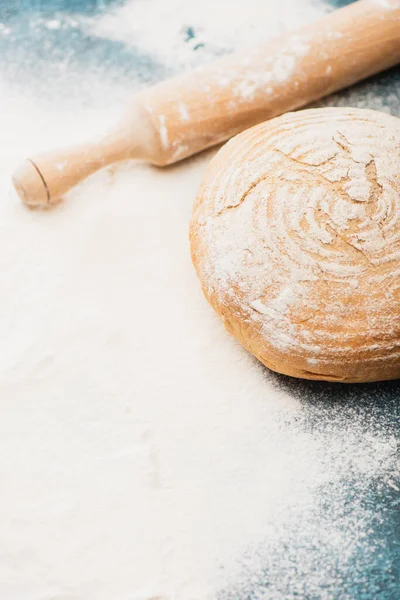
196,110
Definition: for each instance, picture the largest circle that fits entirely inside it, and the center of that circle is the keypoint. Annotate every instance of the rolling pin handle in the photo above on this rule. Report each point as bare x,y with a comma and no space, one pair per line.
30,185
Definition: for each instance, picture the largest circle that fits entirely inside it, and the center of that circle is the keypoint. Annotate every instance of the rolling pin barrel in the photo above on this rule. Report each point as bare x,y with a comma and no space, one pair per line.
188,113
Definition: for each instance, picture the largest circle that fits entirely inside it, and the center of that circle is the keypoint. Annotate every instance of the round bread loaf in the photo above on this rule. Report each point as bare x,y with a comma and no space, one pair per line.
295,236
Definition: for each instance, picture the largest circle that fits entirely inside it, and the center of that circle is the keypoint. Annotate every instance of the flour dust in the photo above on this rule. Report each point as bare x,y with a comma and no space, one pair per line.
143,453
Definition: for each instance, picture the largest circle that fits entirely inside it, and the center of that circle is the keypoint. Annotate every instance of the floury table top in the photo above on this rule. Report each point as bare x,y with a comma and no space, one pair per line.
159,460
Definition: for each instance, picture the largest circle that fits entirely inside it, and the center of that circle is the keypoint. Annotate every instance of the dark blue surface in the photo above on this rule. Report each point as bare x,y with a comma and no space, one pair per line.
24,7
42,59
339,3
373,573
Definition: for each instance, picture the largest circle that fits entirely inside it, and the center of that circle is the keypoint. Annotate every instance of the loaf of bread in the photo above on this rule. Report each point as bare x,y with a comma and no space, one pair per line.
295,236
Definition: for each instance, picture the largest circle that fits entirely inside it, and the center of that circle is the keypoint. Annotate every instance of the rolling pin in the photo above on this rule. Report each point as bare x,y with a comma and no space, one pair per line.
188,113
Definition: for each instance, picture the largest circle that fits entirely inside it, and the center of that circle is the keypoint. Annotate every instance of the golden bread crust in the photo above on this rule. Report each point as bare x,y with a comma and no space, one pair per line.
295,236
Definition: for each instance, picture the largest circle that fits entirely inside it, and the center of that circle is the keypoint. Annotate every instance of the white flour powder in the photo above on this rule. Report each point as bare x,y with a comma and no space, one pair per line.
143,453
185,33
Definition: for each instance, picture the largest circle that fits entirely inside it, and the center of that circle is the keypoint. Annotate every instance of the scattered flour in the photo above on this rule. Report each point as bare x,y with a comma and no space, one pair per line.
173,30
144,454
388,3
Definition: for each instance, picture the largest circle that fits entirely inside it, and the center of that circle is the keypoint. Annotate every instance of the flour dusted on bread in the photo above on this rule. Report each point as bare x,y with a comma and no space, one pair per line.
295,236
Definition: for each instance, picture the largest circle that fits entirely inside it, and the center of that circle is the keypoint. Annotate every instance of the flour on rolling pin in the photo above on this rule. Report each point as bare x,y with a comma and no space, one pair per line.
191,112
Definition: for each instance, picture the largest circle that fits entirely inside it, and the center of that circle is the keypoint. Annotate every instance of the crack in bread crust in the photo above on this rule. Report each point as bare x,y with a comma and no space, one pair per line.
295,236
